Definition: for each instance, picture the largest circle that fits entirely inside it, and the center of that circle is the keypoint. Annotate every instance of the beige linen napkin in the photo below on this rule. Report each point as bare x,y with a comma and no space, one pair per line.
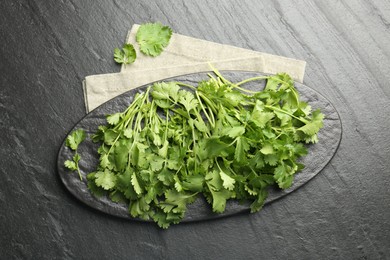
183,55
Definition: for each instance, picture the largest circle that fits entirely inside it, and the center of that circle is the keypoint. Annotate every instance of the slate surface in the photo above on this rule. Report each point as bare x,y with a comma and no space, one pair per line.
48,47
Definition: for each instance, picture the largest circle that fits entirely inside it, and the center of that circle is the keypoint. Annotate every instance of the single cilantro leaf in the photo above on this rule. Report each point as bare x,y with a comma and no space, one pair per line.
201,126
109,136
105,179
128,132
135,183
96,190
194,183
71,165
261,118
156,162
166,177
187,99
126,55
121,155
166,91
76,158
139,208
214,181
75,138
312,127
242,146
258,203
176,201
114,118
219,199
153,38
234,131
227,181
267,149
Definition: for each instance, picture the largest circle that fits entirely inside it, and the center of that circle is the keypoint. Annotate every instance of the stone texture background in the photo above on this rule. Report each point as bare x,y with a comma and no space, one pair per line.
48,47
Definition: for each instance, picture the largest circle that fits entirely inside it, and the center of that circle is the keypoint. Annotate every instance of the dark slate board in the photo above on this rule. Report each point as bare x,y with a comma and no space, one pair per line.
318,157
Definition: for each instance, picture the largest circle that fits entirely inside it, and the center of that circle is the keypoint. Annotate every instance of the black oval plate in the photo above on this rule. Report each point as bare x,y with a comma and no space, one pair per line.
317,158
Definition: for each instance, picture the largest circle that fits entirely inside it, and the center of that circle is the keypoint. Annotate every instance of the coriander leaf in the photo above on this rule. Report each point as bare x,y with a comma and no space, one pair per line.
114,118
139,208
128,132
156,162
117,196
219,199
271,159
166,177
177,185
194,183
234,131
109,136
153,38
126,55
166,91
121,155
96,190
187,99
105,179
75,138
267,149
135,183
261,118
258,203
242,147
76,158
176,201
105,161
71,165
212,147
163,151
312,127
227,181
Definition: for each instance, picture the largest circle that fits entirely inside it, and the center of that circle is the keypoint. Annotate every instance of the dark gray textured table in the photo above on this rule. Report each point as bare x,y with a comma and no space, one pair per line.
47,48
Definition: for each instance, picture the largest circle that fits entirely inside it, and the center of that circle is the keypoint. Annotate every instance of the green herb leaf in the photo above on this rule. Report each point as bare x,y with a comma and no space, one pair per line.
75,138
105,179
126,55
153,38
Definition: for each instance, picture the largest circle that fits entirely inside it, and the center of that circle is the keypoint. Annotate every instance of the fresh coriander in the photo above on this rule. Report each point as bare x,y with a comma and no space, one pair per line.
126,55
73,141
153,38
177,141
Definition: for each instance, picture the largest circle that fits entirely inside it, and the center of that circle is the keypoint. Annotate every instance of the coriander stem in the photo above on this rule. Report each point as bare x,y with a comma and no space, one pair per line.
78,171
250,79
243,89
287,113
224,80
77,166
204,110
185,85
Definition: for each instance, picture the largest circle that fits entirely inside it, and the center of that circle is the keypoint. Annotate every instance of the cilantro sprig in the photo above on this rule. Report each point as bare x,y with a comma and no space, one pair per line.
176,142
73,140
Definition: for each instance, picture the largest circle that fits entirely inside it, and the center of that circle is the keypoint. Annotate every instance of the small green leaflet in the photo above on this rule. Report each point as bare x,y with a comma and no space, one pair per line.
153,38
126,55
177,141
73,140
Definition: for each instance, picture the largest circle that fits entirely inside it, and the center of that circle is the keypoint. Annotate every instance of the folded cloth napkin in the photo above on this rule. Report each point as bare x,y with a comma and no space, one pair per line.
183,55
